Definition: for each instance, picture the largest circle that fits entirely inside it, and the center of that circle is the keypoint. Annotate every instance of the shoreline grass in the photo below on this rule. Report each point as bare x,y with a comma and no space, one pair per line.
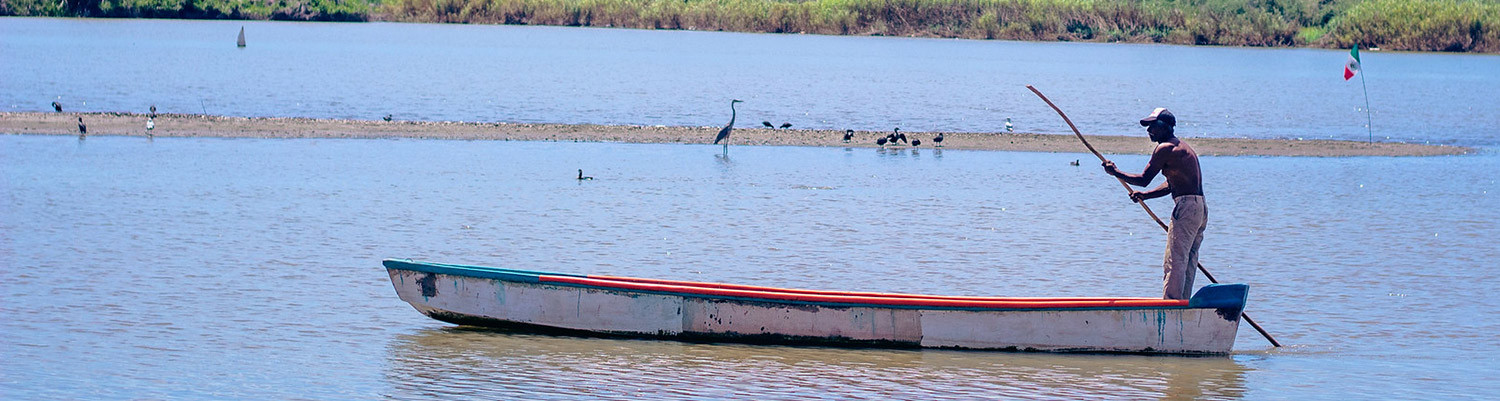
1414,25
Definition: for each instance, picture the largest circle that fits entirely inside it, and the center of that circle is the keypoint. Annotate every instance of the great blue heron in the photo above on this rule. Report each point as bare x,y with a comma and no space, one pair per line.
57,107
768,124
83,130
724,133
786,125
581,177
939,140
848,134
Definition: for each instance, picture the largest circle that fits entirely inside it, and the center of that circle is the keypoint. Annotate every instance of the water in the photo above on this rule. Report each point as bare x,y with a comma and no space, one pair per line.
615,76
249,268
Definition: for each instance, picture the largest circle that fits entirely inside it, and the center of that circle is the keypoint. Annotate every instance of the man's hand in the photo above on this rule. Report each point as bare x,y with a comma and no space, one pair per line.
1137,197
1109,168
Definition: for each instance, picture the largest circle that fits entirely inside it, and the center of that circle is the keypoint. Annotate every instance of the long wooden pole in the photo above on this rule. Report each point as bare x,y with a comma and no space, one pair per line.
1143,204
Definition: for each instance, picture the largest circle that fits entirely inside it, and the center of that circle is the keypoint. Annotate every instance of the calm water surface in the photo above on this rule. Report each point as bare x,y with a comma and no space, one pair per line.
615,76
250,269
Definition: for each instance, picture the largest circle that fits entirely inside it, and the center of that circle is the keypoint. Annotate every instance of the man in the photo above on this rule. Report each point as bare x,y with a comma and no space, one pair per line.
1179,163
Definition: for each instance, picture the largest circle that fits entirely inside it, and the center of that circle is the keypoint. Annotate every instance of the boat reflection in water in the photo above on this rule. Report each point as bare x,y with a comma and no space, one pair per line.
491,363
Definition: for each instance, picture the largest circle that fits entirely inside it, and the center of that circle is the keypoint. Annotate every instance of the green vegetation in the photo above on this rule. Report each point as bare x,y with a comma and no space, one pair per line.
295,10
1431,25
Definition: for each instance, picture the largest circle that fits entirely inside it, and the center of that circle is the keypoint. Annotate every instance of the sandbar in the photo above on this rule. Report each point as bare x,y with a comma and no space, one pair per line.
194,125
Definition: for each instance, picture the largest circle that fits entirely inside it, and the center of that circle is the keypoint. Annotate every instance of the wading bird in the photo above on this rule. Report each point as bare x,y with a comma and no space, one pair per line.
848,134
724,133
938,140
581,177
57,107
786,125
768,124
83,130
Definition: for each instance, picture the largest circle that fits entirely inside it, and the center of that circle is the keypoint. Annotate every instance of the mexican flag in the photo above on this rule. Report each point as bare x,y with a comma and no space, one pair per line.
1352,67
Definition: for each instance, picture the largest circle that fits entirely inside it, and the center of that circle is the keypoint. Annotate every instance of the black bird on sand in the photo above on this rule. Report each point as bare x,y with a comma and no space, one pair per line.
916,142
57,107
387,117
768,124
581,177
882,141
153,111
898,136
848,134
786,125
82,129
938,139
724,133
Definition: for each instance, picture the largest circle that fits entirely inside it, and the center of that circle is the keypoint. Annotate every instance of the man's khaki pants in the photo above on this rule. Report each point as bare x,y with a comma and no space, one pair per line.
1184,236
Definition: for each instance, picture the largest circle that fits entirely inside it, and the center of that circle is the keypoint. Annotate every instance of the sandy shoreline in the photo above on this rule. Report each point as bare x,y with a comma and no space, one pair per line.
192,125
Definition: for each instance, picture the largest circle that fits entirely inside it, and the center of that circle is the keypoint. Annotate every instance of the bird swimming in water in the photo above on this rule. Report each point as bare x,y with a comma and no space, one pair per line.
83,130
57,107
938,140
387,117
1008,126
1073,163
768,124
786,125
724,133
848,134
581,177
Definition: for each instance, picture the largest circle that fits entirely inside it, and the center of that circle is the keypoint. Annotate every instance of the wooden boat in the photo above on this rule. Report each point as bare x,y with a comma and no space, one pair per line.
637,307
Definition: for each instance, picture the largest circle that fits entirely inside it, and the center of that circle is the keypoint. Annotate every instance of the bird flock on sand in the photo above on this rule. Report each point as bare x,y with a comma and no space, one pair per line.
895,138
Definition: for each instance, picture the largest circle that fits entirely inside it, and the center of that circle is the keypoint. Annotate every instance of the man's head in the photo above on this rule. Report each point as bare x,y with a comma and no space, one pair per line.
1160,124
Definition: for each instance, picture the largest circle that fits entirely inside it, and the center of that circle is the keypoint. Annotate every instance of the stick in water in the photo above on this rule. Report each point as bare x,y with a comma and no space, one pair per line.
1143,204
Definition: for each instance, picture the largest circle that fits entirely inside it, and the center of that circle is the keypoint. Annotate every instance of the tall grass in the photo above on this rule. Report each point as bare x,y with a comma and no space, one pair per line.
1435,25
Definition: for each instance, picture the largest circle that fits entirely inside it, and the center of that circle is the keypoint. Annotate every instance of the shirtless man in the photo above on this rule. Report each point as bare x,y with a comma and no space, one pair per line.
1176,160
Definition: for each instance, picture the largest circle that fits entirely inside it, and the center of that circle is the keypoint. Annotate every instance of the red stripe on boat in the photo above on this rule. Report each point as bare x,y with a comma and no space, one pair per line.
849,293
1012,303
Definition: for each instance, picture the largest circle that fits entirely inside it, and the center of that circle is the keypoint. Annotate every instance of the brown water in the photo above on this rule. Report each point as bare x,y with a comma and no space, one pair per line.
245,268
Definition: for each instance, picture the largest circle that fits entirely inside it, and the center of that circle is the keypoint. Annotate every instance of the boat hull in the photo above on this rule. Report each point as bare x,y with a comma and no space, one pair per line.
516,300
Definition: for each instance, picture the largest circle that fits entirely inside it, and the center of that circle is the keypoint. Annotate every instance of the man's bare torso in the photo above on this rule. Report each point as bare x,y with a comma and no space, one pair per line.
1179,163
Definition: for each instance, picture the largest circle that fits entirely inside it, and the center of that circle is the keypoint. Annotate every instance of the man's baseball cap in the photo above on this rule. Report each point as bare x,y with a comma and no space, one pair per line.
1162,114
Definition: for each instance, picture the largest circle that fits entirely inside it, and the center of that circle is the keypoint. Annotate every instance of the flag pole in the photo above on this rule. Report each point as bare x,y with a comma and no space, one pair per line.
1368,130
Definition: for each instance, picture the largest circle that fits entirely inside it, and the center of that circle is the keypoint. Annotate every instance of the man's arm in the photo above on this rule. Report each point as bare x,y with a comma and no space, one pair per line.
1163,190
1158,158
